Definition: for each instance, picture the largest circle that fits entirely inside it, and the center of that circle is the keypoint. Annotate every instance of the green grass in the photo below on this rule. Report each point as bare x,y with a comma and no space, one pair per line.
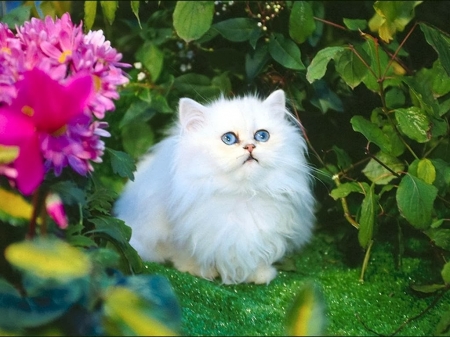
381,304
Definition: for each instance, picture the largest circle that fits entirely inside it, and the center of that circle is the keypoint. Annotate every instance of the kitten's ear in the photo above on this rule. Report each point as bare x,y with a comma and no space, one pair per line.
191,114
277,101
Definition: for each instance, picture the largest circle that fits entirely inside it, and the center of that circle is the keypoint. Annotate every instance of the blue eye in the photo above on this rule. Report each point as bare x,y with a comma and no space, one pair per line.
229,138
262,136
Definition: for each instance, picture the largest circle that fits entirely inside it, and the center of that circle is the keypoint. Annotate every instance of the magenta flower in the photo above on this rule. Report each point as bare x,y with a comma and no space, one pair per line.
43,108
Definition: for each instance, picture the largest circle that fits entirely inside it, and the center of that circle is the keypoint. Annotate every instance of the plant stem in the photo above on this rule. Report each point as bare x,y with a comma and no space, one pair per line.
32,226
347,214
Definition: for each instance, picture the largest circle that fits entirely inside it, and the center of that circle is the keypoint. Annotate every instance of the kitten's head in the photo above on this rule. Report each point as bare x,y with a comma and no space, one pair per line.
241,137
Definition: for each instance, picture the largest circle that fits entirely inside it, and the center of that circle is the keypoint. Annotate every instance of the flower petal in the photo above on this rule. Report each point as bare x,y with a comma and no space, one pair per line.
29,166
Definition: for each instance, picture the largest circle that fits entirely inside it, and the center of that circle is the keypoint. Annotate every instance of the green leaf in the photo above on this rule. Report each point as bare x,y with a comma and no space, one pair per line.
49,258
355,24
371,132
69,192
192,19
443,327
138,110
378,174
301,21
17,16
426,171
152,58
197,86
255,61
351,68
109,9
316,70
397,145
414,123
137,137
440,42
137,319
237,29
391,16
135,9
306,316
446,273
427,288
415,199
343,159
122,163
367,220
439,236
345,189
285,52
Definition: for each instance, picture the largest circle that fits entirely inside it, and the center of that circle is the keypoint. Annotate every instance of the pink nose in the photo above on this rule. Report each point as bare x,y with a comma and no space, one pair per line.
249,147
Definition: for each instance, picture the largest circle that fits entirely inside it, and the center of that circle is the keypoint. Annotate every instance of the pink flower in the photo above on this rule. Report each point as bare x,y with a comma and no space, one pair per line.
42,108
55,209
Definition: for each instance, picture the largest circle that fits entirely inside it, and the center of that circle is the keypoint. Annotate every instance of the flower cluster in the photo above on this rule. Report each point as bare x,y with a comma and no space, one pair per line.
56,84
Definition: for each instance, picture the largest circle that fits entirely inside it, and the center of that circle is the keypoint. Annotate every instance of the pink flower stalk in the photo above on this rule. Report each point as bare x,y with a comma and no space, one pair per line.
55,209
42,109
61,50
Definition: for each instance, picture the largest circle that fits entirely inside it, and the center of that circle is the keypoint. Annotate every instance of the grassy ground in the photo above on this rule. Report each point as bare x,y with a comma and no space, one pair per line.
379,305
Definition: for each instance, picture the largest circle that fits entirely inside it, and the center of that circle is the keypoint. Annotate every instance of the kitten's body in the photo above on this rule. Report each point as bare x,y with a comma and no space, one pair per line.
201,204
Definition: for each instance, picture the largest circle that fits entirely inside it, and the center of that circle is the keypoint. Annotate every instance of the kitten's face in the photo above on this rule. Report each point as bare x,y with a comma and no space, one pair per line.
242,137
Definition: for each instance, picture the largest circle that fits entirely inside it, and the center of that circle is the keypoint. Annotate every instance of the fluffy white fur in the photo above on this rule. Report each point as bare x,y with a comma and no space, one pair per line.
197,202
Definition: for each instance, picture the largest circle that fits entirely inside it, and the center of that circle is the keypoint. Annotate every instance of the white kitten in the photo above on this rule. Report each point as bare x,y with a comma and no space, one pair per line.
228,193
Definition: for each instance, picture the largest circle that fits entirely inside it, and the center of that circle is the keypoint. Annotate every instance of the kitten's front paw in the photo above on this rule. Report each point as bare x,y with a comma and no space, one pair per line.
190,266
264,274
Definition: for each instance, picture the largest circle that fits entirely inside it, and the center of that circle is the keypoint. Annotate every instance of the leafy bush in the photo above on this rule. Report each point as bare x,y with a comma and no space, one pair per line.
370,82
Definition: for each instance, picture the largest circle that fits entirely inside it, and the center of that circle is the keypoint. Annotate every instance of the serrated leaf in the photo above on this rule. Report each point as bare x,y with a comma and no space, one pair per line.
49,258
135,9
90,10
355,24
351,68
238,29
371,132
440,42
109,9
446,273
306,315
285,52
426,171
378,174
367,220
122,163
414,123
316,70
301,21
415,199
192,19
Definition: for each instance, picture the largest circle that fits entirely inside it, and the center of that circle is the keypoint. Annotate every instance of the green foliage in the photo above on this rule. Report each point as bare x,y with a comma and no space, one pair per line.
370,82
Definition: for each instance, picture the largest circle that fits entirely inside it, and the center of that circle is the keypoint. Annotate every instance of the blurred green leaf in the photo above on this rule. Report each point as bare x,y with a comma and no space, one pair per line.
285,52
90,10
427,288
415,200
192,19
426,171
316,70
306,316
109,9
446,273
237,29
152,58
135,10
301,21
137,137
256,61
414,123
344,189
17,16
443,327
122,163
439,236
367,220
48,258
